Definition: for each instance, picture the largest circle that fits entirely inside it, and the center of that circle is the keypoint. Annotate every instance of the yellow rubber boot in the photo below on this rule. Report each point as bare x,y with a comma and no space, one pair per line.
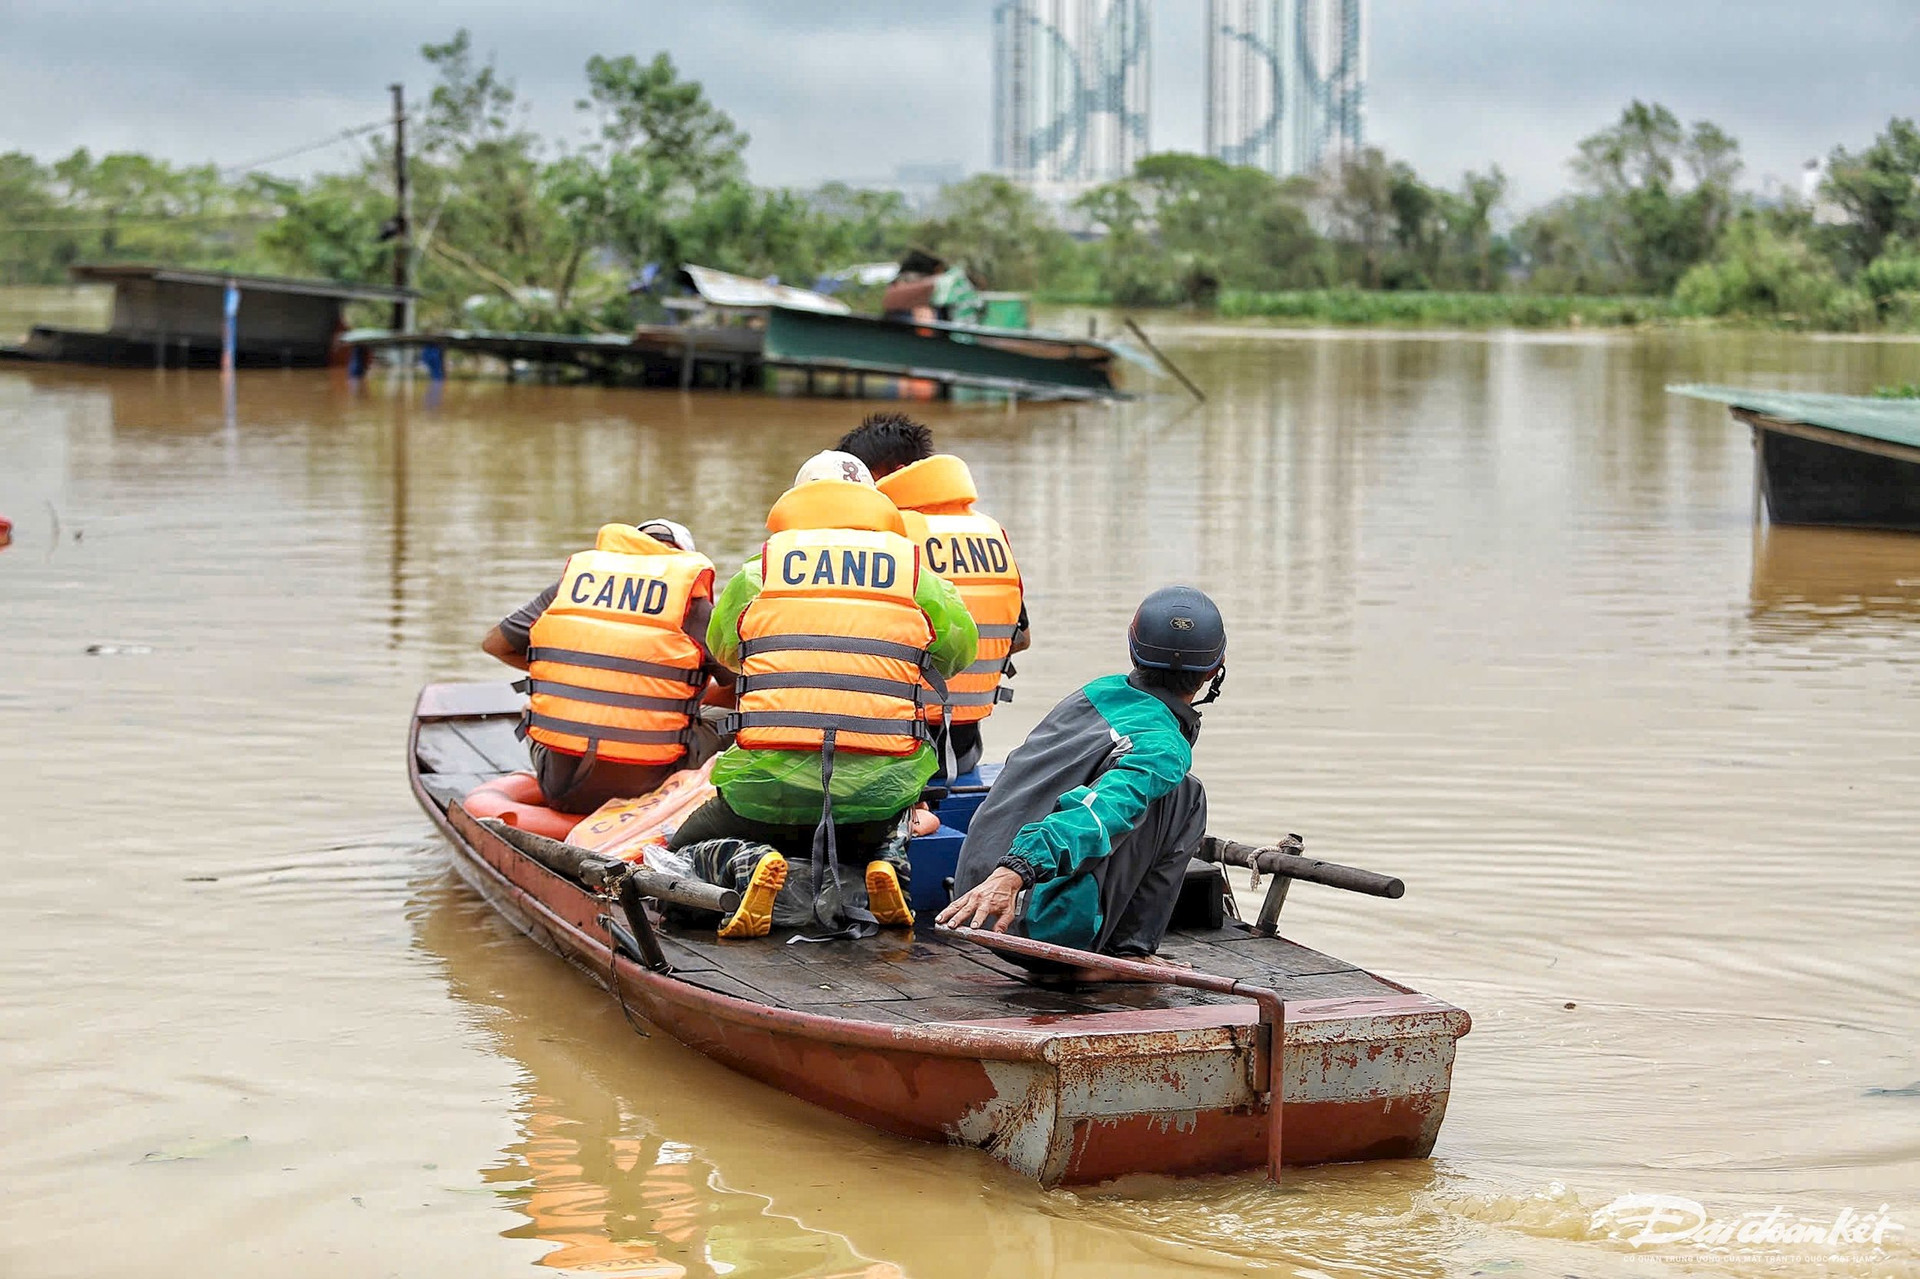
755,916
884,898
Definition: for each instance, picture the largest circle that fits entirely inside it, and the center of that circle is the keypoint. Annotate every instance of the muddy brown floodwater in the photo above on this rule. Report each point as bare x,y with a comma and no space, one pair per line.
1500,625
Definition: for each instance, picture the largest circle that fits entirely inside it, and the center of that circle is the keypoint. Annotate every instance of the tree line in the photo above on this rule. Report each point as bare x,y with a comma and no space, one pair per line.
515,230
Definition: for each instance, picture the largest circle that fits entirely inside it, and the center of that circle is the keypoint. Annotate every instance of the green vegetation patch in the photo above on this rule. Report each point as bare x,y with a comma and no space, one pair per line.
1461,310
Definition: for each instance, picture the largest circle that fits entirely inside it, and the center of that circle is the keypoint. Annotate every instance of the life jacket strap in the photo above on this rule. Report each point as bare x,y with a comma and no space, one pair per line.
602,697
832,644
987,698
827,721
998,631
624,665
987,666
904,690
601,733
582,769
853,922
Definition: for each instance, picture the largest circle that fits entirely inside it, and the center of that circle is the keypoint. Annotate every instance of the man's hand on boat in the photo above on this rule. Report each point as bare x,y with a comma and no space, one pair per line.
988,904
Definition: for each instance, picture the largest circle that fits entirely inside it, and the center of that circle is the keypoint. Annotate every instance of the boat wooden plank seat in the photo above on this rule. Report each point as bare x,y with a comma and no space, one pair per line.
496,740
473,746
443,749
468,701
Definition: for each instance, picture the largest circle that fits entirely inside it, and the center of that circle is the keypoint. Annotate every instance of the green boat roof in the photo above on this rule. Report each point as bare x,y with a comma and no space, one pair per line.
1893,421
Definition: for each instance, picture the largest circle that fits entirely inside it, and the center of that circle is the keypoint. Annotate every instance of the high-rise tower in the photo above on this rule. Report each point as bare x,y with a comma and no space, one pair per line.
1070,100
1286,82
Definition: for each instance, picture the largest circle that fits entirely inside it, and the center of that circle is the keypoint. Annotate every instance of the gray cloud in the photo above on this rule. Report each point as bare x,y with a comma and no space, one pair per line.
853,88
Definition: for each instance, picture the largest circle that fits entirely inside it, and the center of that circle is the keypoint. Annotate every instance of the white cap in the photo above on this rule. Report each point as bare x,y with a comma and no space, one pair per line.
668,531
832,465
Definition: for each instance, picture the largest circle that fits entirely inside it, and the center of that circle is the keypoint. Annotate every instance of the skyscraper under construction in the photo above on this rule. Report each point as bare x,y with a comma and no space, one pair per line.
1286,82
1070,92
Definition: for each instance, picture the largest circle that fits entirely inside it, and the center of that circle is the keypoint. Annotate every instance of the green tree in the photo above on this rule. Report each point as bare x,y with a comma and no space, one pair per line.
1657,224
1892,282
1128,263
1360,200
35,244
1879,189
482,218
330,226
660,149
1476,257
1759,272
999,231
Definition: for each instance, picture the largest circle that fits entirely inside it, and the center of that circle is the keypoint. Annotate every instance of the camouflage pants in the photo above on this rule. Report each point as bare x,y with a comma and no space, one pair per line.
728,860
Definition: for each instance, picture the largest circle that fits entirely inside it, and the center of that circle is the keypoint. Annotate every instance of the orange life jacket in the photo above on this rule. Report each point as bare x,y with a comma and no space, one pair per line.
612,670
834,641
969,549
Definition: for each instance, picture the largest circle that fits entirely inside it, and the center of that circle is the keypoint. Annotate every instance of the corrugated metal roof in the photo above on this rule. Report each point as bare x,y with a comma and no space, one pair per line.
722,288
1891,421
109,272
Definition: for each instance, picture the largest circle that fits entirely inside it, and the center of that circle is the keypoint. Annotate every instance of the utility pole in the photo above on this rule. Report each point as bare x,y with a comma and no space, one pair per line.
402,229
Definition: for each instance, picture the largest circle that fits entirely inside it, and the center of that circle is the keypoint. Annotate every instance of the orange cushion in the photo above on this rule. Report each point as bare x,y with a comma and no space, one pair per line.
516,800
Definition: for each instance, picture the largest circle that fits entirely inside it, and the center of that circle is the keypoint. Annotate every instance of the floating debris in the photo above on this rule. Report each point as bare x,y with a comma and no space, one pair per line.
194,1150
1911,1090
119,650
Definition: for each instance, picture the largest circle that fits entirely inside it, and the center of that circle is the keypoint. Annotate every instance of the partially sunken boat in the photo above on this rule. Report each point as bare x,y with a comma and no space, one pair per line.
739,332
1266,1053
1841,460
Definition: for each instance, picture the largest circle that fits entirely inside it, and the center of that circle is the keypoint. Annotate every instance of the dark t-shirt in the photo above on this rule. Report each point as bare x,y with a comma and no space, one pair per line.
517,626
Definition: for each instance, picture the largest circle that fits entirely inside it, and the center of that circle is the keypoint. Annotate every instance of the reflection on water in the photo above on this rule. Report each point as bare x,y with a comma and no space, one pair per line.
1501,626
1860,583
591,1170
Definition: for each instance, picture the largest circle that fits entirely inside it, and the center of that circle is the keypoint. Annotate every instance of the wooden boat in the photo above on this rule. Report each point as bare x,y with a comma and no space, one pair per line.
933,1037
1830,459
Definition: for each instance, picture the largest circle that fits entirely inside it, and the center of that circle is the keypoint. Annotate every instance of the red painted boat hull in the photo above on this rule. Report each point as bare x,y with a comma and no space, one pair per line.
1065,1100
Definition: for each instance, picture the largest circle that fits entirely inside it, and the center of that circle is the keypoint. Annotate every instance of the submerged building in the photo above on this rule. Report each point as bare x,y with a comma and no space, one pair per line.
1286,82
178,317
1070,90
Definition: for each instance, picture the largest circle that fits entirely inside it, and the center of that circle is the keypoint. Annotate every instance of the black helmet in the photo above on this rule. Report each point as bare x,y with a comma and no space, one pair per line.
1177,628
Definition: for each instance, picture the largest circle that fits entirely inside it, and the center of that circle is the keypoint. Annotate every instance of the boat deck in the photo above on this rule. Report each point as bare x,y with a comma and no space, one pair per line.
893,978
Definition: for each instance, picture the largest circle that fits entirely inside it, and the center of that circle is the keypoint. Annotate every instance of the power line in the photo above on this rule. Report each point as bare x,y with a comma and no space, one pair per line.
327,141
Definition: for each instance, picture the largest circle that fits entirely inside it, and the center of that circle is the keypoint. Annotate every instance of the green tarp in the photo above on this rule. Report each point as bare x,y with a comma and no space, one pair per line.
1893,421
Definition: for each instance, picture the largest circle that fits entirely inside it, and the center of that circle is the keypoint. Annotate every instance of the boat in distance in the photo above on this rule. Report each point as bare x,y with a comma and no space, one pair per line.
935,1036
1851,461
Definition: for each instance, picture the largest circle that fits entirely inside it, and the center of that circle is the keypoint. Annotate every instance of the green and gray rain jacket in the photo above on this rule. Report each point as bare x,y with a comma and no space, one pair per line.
1083,777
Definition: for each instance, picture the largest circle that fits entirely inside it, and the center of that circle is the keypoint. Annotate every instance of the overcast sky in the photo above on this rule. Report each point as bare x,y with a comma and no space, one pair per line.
852,88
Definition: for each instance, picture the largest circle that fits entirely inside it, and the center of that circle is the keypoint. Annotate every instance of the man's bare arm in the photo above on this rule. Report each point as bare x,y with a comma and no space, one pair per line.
497,645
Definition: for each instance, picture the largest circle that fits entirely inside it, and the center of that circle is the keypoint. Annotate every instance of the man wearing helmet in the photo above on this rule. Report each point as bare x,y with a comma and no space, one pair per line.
1085,839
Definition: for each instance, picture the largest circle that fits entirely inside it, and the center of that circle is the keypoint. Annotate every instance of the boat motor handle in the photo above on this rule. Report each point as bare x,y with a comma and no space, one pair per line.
1287,861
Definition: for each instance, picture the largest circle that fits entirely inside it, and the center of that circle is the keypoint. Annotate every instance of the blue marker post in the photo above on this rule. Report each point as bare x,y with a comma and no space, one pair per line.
229,329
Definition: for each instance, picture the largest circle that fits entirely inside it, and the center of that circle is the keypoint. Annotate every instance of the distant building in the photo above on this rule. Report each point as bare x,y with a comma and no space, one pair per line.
1286,82
1070,90
921,184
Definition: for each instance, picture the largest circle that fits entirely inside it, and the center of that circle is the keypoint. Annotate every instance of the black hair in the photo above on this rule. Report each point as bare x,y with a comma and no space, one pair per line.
1179,683
888,441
